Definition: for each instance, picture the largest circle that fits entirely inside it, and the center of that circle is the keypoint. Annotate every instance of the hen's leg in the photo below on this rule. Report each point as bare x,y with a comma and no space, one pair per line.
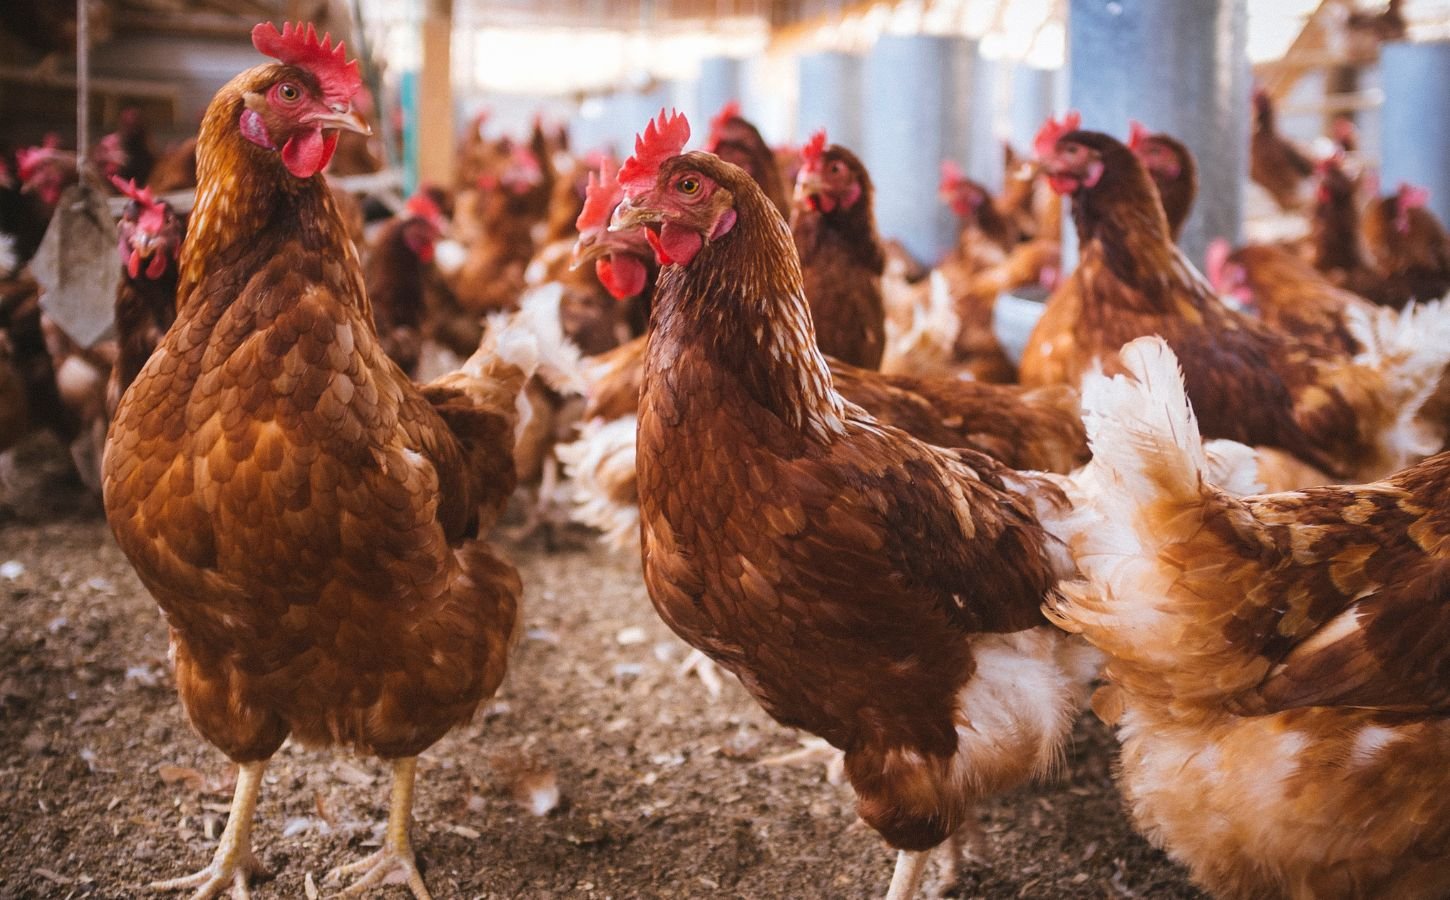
910,867
233,865
394,863
968,841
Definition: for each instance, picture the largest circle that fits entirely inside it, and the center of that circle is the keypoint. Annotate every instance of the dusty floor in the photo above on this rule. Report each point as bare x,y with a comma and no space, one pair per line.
662,790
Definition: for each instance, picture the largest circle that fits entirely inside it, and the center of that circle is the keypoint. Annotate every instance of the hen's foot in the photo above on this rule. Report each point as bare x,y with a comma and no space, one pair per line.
394,863
390,865
233,866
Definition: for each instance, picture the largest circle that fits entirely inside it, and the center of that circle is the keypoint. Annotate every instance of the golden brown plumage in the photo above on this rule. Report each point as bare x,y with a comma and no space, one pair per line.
1277,662
783,529
1408,245
1276,163
1249,382
834,226
306,518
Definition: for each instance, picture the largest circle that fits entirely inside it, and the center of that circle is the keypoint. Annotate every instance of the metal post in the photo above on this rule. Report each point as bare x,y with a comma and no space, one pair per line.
721,80
916,89
1179,66
1416,120
830,97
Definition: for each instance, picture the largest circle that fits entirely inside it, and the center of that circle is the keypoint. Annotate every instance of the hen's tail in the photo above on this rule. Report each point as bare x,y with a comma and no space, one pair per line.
1411,350
484,403
600,467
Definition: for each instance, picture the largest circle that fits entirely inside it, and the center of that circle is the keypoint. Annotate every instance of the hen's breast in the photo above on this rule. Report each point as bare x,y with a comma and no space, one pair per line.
761,552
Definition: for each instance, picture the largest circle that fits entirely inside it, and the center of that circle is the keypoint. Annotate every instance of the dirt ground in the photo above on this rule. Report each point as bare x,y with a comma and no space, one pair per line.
661,791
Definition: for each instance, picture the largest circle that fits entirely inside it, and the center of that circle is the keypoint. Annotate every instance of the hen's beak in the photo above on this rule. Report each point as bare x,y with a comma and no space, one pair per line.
628,216
589,247
346,120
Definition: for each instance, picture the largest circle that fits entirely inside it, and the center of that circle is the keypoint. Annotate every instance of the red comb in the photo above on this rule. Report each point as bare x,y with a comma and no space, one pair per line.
663,138
951,175
601,196
812,151
298,47
1053,130
128,188
1137,134
727,112
422,206
1411,197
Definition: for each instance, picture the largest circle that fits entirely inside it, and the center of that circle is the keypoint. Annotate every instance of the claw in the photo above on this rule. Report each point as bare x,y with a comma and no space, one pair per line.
234,865
394,863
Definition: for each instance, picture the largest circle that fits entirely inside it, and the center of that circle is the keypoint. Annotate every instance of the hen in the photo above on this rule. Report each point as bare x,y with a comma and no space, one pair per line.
1249,382
306,518
1274,162
150,234
396,276
785,531
1174,172
734,139
1277,663
1410,249
834,228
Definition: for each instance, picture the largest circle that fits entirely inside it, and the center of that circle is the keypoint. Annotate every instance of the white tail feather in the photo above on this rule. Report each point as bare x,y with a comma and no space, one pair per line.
1141,427
600,466
1411,349
532,338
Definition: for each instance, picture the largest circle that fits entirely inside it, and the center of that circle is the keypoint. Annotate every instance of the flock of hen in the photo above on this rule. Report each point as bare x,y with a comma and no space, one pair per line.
757,389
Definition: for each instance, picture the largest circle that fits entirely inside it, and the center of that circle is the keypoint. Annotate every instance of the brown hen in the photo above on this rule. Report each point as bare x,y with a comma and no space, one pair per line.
784,530
306,518
1277,663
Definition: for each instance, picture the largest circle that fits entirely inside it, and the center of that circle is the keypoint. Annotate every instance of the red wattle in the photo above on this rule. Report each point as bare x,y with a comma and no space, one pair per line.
680,243
621,274
653,240
156,266
133,264
305,154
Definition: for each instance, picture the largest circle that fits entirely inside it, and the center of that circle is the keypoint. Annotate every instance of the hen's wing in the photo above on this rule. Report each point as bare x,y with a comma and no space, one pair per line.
1363,586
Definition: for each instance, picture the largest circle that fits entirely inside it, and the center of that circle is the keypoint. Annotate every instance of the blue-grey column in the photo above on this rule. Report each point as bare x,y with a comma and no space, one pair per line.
1034,98
1416,120
984,150
830,97
915,88
1178,66
722,79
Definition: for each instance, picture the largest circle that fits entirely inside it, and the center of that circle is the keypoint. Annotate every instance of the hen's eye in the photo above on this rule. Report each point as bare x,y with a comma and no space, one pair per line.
288,92
838,168
689,185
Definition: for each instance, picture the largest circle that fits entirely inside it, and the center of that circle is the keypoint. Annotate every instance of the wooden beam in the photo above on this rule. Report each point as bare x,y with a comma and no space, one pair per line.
435,95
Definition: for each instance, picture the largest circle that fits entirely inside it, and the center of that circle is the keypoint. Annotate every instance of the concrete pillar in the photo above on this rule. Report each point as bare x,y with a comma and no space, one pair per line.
1034,98
1178,66
984,150
1416,120
722,79
914,86
830,97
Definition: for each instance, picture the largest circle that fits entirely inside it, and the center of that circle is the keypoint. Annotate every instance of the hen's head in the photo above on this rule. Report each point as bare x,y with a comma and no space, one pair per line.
46,170
293,108
619,257
1337,185
831,179
956,190
686,200
150,232
1166,157
423,224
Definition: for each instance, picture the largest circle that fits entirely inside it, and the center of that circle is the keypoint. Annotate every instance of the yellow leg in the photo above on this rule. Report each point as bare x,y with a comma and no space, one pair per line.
394,863
906,880
233,865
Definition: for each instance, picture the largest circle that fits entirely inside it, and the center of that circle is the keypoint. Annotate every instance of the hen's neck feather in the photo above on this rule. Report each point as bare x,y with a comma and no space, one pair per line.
249,209
742,303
